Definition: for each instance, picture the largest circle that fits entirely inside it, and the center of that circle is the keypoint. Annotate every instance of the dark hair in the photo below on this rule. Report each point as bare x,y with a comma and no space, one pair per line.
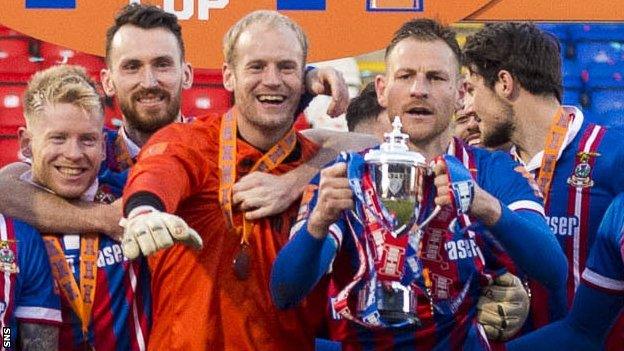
145,17
426,29
363,107
529,54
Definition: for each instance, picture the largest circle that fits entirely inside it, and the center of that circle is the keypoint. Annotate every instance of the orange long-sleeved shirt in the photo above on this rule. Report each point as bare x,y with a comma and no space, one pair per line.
198,303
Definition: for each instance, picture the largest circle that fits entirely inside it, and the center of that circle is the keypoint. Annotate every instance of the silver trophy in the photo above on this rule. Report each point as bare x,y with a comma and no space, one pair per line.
397,175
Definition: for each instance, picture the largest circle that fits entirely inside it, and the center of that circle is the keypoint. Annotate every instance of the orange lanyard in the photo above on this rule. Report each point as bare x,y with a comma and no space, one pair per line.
81,300
554,141
227,165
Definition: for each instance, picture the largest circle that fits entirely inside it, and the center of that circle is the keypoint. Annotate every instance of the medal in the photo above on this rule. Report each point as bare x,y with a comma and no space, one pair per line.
242,262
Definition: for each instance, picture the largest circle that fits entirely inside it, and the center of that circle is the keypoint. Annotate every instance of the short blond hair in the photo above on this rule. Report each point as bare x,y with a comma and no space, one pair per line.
266,17
61,84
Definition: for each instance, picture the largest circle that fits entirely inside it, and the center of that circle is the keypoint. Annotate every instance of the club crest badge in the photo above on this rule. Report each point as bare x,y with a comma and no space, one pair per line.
7,258
396,182
581,177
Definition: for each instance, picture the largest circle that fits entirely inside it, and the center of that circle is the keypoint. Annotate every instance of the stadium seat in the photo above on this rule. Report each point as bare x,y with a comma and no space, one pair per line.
54,54
602,75
590,52
8,32
16,64
11,116
606,100
571,74
8,149
202,99
597,31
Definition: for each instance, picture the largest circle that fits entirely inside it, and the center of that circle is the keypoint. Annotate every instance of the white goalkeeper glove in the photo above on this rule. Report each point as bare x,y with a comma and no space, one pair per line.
147,230
503,307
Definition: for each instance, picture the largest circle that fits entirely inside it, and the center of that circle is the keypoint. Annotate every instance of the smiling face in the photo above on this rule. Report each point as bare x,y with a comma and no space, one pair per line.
467,121
65,144
266,76
422,86
146,79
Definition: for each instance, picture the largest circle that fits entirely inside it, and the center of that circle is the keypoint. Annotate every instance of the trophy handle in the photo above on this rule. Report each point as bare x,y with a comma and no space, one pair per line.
435,212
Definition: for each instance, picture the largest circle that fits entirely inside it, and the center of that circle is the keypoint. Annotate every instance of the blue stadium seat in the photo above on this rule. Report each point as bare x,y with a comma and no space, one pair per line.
602,75
571,74
589,52
597,31
571,97
606,100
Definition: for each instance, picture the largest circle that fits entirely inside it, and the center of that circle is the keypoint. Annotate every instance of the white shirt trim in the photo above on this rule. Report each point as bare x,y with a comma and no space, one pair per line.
41,313
527,205
602,281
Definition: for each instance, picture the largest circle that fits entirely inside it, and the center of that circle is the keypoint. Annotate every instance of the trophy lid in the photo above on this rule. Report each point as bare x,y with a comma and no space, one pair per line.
394,149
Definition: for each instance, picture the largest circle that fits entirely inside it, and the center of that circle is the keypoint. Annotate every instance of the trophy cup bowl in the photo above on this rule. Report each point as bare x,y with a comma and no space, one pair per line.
397,175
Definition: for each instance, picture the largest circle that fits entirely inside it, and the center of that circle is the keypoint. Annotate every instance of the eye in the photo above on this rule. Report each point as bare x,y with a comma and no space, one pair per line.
57,138
89,140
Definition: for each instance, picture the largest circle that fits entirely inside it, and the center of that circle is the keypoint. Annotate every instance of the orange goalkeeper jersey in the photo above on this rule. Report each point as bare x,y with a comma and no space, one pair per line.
198,303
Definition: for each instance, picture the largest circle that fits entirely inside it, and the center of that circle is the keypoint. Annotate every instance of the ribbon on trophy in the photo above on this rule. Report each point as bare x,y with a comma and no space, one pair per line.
389,261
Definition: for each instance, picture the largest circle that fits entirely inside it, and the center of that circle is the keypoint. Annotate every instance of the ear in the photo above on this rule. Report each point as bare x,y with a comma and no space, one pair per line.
380,89
506,85
25,142
187,80
107,82
229,80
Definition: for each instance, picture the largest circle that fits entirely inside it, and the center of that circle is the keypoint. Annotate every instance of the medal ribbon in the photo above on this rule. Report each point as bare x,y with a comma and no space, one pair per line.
80,299
227,165
554,141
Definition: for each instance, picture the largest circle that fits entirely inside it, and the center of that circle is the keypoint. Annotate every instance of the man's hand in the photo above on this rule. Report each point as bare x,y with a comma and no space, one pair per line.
262,194
455,188
328,81
334,196
148,230
503,307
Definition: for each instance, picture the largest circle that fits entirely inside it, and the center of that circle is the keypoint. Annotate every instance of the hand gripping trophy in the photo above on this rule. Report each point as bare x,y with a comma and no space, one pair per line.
387,184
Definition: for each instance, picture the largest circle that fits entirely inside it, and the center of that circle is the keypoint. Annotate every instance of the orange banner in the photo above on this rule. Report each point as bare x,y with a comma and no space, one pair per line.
336,28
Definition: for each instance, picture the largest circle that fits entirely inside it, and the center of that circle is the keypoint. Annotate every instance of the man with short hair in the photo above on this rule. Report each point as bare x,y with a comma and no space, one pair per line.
102,294
146,72
186,174
365,115
515,72
467,122
486,206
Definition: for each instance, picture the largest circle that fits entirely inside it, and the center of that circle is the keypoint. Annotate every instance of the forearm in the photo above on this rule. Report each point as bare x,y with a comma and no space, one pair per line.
38,337
532,246
299,266
51,213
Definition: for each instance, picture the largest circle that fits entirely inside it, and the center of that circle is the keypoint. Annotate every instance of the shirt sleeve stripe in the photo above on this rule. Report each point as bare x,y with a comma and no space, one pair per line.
527,205
603,282
38,313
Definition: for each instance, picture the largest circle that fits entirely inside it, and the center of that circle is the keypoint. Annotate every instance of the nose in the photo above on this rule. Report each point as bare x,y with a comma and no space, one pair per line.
148,78
473,122
420,87
271,76
73,150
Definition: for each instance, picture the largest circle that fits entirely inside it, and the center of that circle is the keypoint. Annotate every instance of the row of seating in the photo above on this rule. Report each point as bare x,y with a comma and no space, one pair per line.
593,68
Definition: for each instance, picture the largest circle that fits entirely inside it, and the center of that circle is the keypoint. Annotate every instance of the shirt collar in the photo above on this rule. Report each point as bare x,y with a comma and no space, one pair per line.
573,130
133,148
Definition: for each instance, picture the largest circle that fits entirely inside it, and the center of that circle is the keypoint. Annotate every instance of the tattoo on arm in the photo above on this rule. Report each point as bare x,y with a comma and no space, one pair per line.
36,337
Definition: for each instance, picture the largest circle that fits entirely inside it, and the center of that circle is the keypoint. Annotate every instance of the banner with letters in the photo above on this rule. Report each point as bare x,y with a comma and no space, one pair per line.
336,28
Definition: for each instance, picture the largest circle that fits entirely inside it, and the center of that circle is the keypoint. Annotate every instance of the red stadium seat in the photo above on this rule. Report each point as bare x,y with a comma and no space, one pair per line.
8,149
16,65
8,32
202,99
11,116
54,54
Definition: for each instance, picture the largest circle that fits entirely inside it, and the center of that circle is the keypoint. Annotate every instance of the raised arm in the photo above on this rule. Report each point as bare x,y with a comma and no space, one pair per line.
262,194
50,213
